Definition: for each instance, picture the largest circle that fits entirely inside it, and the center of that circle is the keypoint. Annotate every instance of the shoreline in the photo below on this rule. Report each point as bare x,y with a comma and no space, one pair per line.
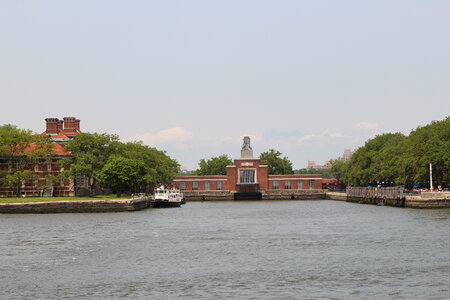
424,201
76,206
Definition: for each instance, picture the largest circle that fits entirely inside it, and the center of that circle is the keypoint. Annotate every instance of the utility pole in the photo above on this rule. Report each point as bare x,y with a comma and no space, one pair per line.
431,178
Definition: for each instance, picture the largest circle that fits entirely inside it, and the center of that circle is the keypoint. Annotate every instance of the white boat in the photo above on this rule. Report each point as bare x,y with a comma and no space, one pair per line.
165,197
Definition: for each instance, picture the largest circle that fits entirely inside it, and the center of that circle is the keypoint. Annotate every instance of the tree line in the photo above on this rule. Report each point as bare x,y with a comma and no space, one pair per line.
398,159
99,158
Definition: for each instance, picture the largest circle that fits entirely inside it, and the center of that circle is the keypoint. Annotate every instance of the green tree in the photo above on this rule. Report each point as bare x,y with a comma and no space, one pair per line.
339,169
326,173
213,166
277,165
399,159
162,168
123,175
378,160
22,150
425,145
90,152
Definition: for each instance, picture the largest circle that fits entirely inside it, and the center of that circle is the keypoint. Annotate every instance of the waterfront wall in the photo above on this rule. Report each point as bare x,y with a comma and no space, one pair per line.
293,195
336,196
266,195
399,202
424,200
428,200
83,206
208,195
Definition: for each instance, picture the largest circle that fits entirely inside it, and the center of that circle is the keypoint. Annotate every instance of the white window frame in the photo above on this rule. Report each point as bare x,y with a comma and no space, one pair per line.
275,185
254,175
287,184
219,185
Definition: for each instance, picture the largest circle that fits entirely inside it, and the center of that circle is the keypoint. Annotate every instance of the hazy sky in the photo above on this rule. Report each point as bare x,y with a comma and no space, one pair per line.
308,78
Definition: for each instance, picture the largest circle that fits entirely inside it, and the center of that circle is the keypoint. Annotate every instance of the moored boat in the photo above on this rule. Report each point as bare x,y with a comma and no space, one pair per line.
167,197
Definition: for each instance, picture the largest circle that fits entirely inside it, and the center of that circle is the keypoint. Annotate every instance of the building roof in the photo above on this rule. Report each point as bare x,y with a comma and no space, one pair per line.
59,137
58,149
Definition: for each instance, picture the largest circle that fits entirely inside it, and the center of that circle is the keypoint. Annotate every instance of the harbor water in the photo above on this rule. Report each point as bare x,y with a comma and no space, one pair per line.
229,250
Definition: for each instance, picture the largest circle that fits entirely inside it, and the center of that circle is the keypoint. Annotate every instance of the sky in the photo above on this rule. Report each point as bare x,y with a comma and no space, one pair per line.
307,78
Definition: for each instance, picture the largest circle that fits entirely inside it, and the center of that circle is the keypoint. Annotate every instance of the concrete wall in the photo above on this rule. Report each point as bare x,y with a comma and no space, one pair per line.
208,195
266,195
428,195
82,206
336,196
375,201
293,194
425,200
428,200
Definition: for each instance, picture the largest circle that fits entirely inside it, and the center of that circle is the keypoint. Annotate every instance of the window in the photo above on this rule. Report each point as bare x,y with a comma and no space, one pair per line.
194,185
219,185
312,184
287,185
207,186
247,176
182,185
299,184
275,184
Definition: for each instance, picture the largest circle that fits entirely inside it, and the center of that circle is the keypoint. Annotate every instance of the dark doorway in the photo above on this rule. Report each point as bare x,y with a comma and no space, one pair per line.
248,191
248,196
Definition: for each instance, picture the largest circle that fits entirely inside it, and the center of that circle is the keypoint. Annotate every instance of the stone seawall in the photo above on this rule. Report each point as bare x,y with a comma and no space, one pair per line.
424,200
208,195
375,201
428,200
336,196
83,206
267,195
293,195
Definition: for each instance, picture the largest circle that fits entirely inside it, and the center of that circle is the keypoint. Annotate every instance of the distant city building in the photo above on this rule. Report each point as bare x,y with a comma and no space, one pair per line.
184,171
312,165
347,154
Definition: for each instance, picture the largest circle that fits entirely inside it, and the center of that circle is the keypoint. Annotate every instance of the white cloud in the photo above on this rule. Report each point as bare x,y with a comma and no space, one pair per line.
337,135
302,139
176,135
366,126
324,137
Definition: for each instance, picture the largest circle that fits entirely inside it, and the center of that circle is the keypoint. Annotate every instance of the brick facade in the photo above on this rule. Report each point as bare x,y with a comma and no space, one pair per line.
262,181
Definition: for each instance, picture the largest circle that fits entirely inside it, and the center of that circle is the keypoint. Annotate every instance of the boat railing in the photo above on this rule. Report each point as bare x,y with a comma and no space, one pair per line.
138,195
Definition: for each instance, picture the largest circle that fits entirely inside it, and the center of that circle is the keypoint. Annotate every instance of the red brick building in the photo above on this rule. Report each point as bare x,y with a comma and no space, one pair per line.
247,175
60,132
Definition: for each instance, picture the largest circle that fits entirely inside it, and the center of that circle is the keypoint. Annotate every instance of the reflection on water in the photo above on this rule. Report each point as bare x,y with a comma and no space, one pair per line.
222,250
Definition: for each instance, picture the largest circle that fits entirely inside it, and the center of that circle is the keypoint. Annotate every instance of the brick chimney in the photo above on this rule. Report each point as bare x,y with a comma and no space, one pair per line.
52,125
70,125
77,125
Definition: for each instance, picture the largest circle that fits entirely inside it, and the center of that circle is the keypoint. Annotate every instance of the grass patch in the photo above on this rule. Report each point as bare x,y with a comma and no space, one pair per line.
50,199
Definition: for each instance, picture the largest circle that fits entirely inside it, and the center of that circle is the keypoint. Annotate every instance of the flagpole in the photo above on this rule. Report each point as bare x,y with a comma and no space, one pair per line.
431,178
